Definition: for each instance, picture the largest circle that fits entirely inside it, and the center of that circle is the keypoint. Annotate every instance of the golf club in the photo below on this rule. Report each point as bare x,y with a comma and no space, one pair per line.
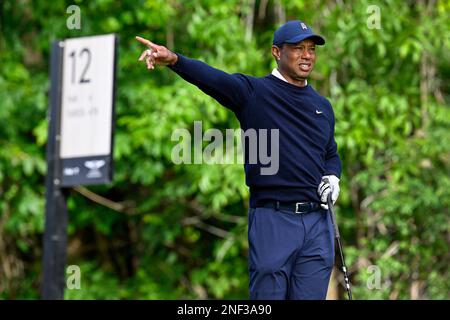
338,238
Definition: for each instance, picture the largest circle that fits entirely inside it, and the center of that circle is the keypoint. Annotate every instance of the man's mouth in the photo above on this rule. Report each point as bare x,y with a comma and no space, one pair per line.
305,66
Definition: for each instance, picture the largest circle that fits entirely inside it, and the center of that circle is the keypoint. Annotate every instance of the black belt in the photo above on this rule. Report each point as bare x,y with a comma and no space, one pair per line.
294,207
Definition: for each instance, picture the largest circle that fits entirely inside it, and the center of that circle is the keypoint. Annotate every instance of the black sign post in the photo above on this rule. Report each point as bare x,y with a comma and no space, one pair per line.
80,138
55,236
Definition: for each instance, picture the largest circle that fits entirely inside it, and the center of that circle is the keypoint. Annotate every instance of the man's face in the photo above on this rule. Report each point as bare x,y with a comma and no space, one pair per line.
296,60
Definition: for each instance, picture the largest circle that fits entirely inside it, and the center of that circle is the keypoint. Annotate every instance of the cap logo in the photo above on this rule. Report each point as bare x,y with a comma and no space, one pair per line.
304,27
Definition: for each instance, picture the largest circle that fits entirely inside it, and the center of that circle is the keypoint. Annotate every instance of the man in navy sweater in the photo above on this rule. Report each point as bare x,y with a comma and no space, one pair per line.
291,243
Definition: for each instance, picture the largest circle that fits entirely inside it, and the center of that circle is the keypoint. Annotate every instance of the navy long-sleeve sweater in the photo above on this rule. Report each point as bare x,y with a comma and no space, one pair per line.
305,119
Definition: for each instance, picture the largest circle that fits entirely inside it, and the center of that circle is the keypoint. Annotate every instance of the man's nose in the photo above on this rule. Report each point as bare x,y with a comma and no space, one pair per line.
306,54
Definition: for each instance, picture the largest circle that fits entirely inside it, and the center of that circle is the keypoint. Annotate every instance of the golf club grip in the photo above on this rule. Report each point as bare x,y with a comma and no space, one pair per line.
333,216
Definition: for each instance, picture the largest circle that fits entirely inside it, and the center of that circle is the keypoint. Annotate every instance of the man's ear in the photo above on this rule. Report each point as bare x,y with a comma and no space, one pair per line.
276,53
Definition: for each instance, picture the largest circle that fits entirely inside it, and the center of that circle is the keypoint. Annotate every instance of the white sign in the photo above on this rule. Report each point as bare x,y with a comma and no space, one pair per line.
87,96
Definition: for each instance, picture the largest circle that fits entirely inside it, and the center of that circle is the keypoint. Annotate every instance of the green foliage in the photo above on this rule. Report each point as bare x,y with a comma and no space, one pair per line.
180,231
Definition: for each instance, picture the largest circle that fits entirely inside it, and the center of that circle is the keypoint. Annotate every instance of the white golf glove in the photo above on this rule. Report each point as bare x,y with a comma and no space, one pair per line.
325,187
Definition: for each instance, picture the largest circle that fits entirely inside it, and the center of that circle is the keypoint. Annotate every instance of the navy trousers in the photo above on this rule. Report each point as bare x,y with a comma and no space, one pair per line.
291,256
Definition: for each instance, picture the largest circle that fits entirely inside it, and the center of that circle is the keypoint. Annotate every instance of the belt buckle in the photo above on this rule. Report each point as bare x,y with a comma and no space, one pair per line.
297,204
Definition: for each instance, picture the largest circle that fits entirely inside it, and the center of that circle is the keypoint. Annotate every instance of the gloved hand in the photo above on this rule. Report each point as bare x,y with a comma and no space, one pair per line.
325,187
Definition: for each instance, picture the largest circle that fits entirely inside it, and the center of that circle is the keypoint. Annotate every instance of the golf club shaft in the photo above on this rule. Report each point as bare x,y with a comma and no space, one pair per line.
341,251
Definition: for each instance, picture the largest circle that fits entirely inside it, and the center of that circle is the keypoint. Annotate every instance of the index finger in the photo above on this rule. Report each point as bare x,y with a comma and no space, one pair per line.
148,43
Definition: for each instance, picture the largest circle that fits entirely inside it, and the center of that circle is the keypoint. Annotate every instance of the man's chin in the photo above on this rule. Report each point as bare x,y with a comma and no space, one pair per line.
302,77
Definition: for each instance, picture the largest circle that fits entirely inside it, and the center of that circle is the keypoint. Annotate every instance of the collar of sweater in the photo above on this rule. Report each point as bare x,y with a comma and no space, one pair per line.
277,74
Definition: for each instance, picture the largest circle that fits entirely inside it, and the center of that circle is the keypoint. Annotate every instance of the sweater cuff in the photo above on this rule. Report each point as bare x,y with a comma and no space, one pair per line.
177,64
332,173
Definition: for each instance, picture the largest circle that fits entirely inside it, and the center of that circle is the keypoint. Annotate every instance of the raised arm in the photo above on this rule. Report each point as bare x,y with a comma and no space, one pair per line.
231,90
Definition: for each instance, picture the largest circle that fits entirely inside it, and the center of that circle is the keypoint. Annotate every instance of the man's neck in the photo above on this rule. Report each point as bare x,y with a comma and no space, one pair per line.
295,82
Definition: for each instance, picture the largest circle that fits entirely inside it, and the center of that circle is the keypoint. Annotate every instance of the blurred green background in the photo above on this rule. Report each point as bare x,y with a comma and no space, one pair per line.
165,231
